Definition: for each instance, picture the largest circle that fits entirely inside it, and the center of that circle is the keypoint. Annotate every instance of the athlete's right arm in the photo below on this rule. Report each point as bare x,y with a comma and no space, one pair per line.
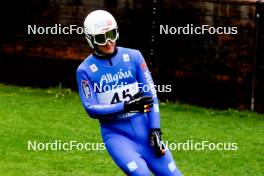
89,98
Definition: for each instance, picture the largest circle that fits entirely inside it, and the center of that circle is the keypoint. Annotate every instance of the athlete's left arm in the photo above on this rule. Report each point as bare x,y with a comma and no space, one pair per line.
145,80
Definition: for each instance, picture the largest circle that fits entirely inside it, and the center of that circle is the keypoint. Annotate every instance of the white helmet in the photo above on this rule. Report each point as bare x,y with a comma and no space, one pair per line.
100,26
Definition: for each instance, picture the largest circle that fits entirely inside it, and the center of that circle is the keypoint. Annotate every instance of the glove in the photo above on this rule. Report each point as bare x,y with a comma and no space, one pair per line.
139,103
156,142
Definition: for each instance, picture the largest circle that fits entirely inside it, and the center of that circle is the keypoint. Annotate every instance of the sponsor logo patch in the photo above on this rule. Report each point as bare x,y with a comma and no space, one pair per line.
103,26
171,166
126,57
86,89
143,66
132,166
156,107
93,68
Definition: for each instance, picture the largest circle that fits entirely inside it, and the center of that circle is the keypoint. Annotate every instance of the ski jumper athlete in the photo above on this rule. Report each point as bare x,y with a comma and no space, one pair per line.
116,87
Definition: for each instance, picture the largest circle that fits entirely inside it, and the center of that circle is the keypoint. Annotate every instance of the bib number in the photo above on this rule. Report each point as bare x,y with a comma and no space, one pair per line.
125,95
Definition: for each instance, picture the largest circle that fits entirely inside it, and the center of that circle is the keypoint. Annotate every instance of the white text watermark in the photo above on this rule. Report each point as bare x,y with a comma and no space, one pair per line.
189,145
201,145
58,145
191,29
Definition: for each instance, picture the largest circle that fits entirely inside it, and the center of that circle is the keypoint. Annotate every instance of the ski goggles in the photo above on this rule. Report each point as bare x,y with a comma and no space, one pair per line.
101,39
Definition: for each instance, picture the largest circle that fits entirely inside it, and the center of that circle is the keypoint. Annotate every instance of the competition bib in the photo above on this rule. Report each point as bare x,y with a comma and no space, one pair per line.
119,94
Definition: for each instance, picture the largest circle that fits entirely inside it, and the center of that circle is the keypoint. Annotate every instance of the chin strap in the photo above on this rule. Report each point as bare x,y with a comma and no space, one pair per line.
97,51
99,54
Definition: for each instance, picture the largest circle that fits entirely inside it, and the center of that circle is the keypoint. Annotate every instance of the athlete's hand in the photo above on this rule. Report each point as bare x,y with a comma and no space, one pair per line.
139,103
156,142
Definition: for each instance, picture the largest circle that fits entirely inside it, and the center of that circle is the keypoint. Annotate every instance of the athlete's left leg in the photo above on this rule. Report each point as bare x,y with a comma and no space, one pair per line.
161,166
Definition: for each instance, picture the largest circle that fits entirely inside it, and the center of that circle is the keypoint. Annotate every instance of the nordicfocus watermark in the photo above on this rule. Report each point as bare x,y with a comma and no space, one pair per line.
115,82
56,29
58,145
191,29
201,145
189,145
133,87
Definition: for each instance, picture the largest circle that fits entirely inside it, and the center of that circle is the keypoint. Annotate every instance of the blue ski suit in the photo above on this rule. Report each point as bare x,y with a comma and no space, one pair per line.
104,85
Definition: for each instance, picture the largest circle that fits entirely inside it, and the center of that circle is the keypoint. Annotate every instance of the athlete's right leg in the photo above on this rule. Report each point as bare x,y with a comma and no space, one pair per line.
124,152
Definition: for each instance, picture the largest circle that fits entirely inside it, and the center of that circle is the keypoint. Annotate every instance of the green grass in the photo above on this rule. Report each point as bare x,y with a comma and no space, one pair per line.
46,115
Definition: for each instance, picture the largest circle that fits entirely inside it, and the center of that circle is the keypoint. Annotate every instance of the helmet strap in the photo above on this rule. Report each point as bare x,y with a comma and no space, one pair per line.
90,41
99,54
